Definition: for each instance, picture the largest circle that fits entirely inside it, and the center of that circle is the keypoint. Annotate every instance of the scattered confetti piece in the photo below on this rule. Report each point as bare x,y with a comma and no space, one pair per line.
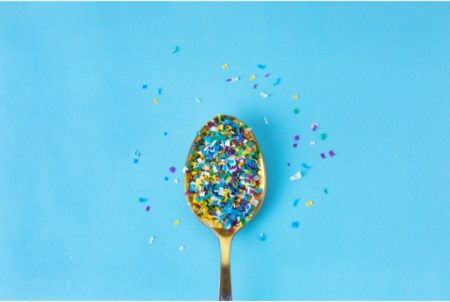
181,248
296,111
306,166
177,222
314,126
137,155
151,239
331,153
288,164
252,77
261,66
143,199
165,133
177,48
233,79
172,169
155,101
166,178
224,66
325,190
159,91
266,120
323,136
255,86
295,97
322,155
147,208
175,180
295,224
144,86
296,202
267,75
224,173
198,100
262,237
309,203
297,137
296,176
295,145
264,94
312,143
277,82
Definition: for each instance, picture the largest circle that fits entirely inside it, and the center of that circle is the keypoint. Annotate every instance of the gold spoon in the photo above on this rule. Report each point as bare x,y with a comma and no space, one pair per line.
224,234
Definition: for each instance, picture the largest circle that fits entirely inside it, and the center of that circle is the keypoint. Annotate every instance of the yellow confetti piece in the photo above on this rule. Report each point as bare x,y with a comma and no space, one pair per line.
155,101
252,77
224,66
177,222
295,96
309,203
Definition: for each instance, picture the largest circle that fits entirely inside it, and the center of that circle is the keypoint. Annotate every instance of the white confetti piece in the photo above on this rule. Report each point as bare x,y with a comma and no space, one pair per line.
296,176
175,180
264,94
312,143
266,120
198,100
181,248
151,239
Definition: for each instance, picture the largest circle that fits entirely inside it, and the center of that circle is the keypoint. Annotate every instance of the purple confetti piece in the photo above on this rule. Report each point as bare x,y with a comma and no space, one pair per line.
314,126
297,137
294,145
322,155
147,208
172,169
255,86
267,75
331,153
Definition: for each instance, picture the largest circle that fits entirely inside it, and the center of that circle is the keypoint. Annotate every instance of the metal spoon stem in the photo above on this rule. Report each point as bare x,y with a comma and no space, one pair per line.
225,274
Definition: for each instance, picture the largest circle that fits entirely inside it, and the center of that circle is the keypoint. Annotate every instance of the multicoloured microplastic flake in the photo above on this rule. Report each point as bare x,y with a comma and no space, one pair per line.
262,237
296,176
295,224
224,174
314,126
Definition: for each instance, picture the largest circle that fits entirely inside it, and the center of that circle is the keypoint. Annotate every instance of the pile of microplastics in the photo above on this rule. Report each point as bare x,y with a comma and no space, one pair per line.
224,174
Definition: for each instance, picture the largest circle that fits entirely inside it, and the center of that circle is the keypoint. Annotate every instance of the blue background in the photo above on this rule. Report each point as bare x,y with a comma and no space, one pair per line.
375,76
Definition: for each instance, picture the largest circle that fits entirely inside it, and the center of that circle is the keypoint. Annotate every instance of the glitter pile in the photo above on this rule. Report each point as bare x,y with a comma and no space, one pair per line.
223,171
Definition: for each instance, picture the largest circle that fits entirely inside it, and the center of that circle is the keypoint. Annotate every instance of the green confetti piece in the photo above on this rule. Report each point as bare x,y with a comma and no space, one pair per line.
296,111
325,191
323,136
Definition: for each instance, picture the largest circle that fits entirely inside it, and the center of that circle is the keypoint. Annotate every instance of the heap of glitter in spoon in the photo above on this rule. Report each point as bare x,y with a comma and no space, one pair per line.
224,168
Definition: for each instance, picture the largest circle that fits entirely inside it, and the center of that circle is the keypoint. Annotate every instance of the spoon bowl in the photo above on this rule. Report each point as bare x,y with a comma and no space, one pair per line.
225,183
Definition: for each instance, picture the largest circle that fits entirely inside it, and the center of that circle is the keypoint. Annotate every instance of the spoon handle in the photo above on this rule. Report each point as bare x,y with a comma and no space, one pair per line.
225,274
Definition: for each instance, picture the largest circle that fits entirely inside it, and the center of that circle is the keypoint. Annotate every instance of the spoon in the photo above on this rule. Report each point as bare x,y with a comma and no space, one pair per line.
225,183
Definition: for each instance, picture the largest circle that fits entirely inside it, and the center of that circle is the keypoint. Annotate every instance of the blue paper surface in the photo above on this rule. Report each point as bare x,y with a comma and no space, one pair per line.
374,76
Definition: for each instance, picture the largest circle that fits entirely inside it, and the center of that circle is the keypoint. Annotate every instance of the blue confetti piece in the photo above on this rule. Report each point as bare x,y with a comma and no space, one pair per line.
306,166
166,178
261,66
262,237
177,48
277,82
135,160
160,91
296,202
145,86
143,199
165,133
295,224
